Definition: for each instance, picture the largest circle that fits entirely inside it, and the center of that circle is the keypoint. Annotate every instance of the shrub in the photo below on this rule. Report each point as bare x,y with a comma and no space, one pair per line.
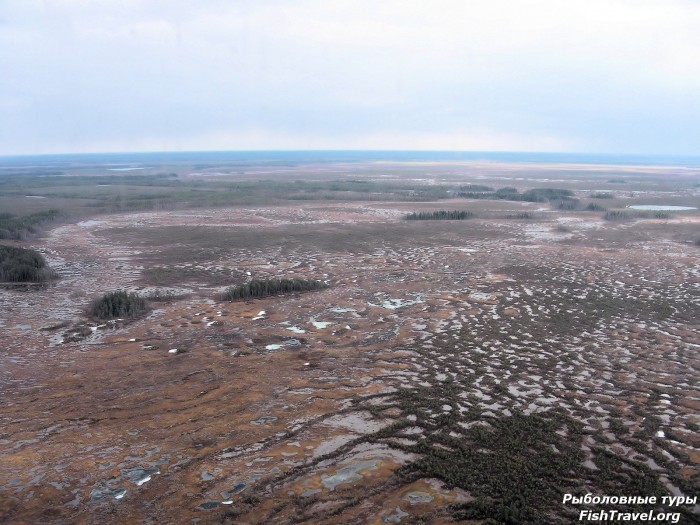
119,304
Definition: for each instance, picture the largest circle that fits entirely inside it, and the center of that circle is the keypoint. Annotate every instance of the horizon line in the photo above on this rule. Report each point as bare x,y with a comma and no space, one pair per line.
329,150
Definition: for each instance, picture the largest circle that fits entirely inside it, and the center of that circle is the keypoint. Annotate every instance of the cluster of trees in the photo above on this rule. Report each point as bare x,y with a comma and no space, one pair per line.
265,287
512,194
545,194
594,206
444,215
619,215
616,215
525,215
21,265
164,295
567,204
119,304
475,187
602,195
18,228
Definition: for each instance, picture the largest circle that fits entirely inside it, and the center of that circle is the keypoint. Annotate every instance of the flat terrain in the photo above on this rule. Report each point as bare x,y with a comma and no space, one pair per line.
453,371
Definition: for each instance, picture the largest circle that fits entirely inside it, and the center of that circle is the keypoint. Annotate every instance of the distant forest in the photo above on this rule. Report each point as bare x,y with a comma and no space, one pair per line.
512,194
21,265
441,215
263,288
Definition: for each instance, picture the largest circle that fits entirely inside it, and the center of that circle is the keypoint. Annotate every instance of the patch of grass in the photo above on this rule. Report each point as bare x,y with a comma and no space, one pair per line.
21,265
119,304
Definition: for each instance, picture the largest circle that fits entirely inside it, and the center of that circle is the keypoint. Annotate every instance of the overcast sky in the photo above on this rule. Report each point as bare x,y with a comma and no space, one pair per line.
618,76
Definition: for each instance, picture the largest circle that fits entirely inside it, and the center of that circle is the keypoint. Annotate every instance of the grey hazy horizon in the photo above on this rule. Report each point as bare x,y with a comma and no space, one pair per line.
582,76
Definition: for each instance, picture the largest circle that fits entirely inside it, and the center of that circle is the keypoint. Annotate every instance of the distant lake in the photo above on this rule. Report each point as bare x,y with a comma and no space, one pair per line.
656,207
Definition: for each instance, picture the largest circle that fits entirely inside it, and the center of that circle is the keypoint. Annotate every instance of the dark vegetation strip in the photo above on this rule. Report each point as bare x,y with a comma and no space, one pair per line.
512,194
476,187
167,191
624,215
22,265
440,215
523,215
594,206
266,287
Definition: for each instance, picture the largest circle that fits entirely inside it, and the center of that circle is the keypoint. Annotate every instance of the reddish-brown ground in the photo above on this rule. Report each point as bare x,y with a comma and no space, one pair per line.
235,418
